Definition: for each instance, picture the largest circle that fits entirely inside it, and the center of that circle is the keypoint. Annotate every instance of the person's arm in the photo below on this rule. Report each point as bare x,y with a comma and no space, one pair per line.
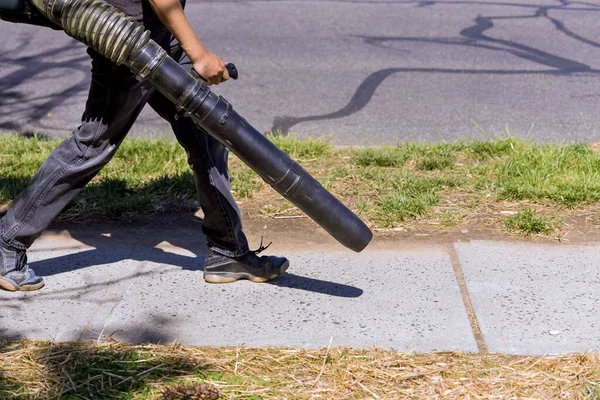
206,64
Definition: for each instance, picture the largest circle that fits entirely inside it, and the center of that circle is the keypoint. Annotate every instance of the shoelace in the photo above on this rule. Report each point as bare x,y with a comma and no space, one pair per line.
261,248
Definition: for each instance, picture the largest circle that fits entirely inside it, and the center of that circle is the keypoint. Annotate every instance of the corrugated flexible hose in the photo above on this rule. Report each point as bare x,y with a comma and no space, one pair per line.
111,33
97,24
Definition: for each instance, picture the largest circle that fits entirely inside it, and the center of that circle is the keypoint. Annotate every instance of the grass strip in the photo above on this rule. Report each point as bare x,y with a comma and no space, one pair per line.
528,222
442,183
34,369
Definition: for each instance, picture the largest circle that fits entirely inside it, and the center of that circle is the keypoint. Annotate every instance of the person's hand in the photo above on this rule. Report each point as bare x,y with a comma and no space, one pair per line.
210,67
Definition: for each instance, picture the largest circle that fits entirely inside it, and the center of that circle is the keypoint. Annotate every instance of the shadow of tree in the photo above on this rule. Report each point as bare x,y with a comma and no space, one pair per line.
46,65
473,36
115,199
86,370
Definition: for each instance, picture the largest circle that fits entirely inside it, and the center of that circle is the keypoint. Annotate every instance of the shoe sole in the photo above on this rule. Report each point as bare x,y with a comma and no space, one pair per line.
229,277
11,286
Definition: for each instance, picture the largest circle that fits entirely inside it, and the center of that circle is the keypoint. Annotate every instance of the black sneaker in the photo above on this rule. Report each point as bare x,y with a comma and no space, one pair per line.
222,269
15,274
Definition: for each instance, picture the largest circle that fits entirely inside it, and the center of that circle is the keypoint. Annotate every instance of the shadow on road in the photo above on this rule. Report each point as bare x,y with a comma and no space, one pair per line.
474,37
39,66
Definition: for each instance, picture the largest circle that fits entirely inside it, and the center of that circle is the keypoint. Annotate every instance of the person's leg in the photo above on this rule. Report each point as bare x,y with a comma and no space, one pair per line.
222,223
230,258
115,100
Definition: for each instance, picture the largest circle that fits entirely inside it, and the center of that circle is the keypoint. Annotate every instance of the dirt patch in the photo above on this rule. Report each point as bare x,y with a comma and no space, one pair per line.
295,230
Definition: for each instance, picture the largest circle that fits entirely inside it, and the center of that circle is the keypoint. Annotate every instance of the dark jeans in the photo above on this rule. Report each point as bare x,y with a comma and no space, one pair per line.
115,99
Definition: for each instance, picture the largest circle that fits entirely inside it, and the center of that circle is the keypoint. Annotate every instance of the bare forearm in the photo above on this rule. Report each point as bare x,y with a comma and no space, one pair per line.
172,15
207,64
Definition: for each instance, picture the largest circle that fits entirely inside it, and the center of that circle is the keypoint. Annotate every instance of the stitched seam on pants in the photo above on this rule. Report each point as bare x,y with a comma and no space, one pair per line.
7,241
51,184
38,201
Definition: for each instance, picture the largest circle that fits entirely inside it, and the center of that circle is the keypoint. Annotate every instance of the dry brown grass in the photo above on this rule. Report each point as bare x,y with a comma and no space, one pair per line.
30,369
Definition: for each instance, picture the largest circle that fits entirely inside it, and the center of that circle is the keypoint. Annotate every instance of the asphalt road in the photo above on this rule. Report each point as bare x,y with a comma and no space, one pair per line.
359,72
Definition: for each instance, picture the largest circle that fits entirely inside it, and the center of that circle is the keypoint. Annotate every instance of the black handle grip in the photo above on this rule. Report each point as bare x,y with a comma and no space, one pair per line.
231,69
233,72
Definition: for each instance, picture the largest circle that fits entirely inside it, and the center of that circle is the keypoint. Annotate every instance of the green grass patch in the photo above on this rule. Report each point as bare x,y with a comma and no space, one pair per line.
566,175
387,186
529,222
382,157
244,181
437,157
500,147
400,195
301,148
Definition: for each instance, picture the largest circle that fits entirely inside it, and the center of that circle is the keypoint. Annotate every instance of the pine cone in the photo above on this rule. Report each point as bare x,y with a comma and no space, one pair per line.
204,391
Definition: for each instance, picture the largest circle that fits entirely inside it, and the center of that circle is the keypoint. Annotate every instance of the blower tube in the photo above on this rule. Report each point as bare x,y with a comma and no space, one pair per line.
111,33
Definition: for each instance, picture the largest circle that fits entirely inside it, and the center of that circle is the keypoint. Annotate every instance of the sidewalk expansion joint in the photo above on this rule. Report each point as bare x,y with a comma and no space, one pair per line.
462,285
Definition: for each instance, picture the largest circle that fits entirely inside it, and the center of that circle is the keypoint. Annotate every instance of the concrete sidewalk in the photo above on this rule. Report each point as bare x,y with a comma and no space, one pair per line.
475,296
